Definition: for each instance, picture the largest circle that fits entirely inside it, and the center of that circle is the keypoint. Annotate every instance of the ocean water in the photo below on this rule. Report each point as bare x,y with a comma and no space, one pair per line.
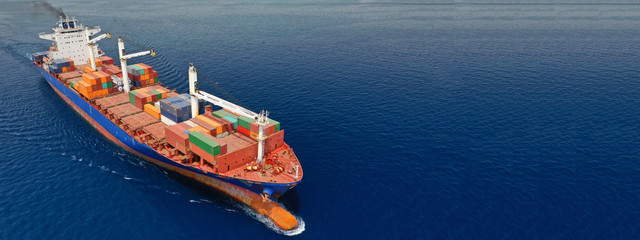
412,120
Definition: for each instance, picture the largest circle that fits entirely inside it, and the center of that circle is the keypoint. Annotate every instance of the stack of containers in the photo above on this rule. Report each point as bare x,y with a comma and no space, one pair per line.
157,130
255,129
123,110
142,96
206,125
138,121
69,75
95,84
244,125
39,56
249,127
205,145
62,65
111,69
142,74
178,136
227,116
103,60
178,109
88,69
111,101
226,127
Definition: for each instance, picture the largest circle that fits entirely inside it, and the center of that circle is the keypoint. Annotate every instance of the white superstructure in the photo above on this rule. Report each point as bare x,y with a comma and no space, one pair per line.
70,39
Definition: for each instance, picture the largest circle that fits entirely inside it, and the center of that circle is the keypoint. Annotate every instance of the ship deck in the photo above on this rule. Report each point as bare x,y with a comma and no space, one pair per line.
120,111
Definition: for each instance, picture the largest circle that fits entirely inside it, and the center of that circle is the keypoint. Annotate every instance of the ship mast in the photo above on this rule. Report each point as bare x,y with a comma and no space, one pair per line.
262,121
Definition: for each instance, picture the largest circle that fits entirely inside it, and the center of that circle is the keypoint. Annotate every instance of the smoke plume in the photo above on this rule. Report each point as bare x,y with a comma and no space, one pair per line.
47,7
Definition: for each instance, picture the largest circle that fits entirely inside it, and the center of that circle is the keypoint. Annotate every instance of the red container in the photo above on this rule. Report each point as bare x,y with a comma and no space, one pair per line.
177,135
202,153
243,130
268,129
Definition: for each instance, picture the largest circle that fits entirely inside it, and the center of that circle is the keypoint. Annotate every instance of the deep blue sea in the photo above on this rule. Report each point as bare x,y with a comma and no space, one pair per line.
412,120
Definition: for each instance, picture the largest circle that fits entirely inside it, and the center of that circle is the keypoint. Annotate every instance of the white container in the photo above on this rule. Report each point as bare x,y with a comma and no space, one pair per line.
167,121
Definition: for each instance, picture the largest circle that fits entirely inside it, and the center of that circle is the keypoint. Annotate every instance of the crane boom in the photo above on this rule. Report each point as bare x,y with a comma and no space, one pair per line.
129,56
197,94
261,119
225,104
123,62
98,38
90,43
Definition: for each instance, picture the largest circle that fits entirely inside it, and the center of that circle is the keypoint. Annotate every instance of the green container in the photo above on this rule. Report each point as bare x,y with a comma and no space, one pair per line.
204,143
155,80
158,94
245,122
109,84
132,97
73,84
221,114
137,70
274,122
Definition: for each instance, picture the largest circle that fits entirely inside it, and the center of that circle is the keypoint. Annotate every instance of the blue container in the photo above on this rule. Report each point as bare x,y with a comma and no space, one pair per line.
54,69
60,63
39,56
169,115
179,106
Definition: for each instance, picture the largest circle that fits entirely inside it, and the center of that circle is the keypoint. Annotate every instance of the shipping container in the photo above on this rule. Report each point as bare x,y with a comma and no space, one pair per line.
209,129
202,153
245,122
232,120
156,130
243,130
39,56
139,120
123,110
111,101
200,140
175,135
152,110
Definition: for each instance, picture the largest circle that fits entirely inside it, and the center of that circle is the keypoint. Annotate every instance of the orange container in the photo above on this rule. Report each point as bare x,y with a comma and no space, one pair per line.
154,111
254,136
218,126
198,128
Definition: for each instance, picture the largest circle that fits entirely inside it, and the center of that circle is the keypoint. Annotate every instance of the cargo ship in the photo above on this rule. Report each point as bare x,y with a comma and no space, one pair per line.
197,134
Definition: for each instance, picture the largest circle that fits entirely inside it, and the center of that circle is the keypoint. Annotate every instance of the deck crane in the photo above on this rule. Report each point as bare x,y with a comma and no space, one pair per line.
90,44
196,94
123,62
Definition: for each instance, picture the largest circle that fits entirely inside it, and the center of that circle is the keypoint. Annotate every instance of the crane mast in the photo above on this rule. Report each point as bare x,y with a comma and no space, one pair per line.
123,62
90,43
196,94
